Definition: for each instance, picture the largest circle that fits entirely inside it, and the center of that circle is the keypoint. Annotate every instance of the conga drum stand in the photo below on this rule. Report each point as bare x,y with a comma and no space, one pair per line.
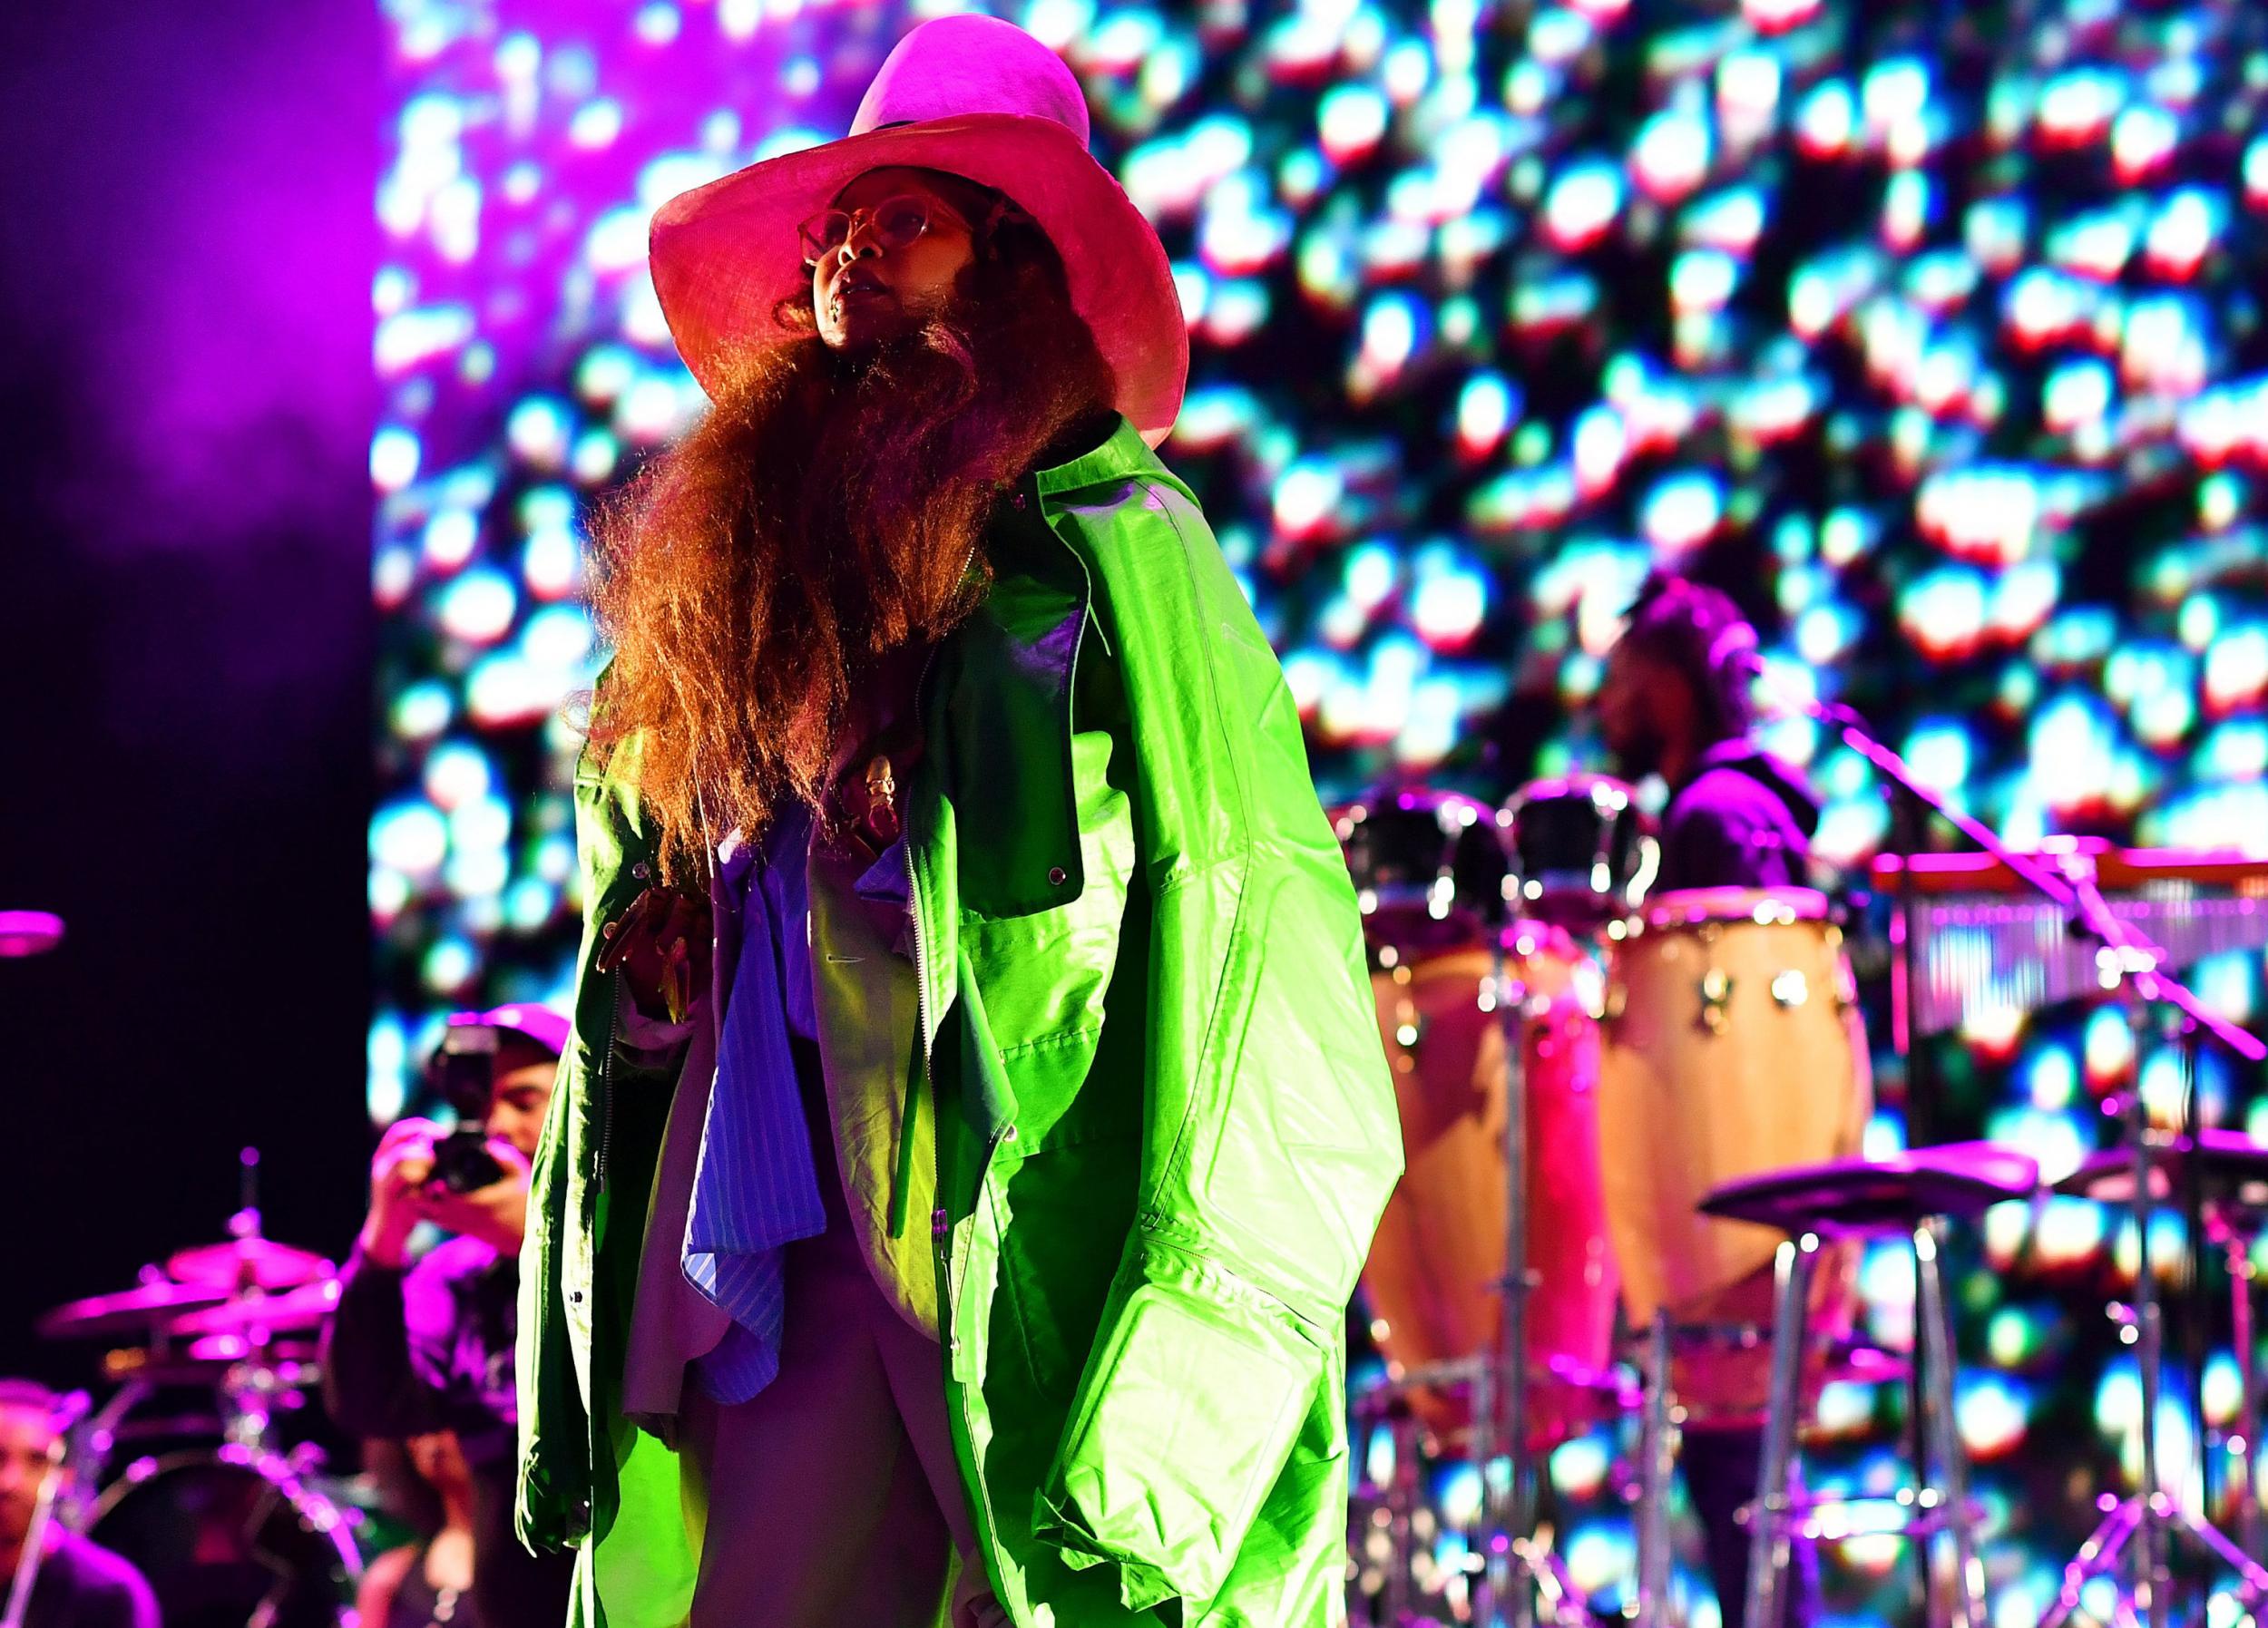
1516,1571
1909,1196
1499,1387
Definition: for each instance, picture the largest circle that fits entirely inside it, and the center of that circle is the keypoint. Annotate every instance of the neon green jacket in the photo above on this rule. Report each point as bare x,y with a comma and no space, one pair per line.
1165,1124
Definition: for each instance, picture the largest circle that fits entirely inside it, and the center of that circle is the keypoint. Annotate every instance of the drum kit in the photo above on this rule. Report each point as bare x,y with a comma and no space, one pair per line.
189,1470
198,1466
1635,1190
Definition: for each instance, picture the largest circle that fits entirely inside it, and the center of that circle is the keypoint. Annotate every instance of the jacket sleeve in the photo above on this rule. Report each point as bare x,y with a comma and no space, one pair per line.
1270,1135
567,1357
551,1505
371,1383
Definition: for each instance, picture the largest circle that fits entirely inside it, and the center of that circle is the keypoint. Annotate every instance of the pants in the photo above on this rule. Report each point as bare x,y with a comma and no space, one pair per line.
832,1497
1720,1469
511,1587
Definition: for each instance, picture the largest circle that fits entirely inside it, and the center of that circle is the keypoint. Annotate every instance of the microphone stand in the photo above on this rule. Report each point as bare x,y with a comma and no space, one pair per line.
2131,955
2130,962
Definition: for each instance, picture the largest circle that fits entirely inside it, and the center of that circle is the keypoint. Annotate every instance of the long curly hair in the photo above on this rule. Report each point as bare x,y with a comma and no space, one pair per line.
828,511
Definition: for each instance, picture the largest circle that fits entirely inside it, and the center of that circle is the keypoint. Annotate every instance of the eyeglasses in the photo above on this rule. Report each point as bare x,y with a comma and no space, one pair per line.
894,222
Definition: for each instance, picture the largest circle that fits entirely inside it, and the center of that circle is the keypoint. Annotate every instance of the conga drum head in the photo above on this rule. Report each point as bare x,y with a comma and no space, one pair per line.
1581,851
1428,873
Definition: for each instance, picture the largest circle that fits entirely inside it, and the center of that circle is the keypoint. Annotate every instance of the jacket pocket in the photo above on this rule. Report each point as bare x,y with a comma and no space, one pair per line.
1188,1414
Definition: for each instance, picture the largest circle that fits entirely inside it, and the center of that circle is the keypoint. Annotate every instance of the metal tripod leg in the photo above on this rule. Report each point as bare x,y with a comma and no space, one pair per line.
1940,1431
1402,1502
1772,1521
1563,1604
2214,1542
2242,1477
2097,1556
1655,1454
2120,1530
1493,1575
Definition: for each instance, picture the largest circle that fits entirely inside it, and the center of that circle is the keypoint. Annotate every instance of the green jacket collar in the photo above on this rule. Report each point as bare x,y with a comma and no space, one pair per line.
1124,456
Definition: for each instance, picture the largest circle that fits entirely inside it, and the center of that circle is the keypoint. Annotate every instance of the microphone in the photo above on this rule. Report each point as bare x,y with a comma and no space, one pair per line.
1735,650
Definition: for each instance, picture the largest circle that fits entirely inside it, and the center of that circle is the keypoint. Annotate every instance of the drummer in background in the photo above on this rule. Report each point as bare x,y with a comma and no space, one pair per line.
79,1584
420,1347
1674,702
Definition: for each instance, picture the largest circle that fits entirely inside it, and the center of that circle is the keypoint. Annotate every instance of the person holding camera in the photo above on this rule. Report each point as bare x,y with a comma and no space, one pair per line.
422,1346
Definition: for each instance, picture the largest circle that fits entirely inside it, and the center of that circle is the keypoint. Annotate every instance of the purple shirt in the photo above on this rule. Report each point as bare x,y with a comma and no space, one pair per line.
428,1348
431,1348
762,1182
83,1585
1744,819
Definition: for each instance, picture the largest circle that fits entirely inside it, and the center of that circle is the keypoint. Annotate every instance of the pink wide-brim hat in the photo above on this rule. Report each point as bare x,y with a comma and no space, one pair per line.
976,97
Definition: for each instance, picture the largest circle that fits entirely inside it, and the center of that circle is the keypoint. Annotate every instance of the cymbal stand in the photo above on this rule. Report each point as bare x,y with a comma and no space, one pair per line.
1403,1494
2126,961
89,1444
2147,1522
1499,1390
2244,1452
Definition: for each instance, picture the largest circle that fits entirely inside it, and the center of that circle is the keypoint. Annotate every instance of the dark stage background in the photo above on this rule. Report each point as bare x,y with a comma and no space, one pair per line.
185,245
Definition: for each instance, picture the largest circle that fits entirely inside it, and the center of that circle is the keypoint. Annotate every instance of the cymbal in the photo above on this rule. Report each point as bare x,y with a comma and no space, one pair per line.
2229,1167
1846,1197
253,1316
248,1263
236,1348
140,1313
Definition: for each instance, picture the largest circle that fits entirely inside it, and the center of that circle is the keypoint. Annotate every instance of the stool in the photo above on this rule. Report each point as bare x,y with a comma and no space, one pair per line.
1911,1194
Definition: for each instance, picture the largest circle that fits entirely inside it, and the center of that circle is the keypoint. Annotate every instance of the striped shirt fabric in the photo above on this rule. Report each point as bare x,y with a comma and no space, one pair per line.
755,1189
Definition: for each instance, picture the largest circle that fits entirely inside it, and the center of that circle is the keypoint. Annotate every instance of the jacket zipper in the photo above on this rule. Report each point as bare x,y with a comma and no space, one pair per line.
914,907
987,1538
606,1068
606,1085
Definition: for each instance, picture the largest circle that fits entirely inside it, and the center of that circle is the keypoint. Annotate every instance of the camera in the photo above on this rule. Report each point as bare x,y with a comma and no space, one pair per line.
464,1074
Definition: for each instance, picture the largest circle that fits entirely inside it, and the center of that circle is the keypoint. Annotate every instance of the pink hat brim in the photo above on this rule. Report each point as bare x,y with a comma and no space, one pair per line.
540,1024
723,255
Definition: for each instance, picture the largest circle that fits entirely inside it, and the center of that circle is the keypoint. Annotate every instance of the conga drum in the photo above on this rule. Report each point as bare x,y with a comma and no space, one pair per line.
1435,1265
1581,851
1427,870
1733,1044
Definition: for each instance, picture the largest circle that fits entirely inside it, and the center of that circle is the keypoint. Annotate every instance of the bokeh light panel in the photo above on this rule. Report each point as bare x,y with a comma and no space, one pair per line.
1932,333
